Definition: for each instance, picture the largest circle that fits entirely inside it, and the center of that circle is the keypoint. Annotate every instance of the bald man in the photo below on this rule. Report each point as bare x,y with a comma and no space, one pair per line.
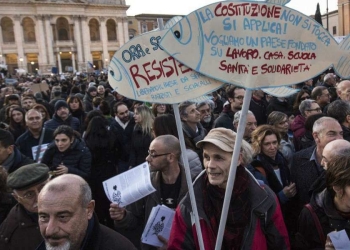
343,90
67,219
332,149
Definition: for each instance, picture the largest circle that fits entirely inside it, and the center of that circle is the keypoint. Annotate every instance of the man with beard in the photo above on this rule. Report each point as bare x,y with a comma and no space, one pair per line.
62,117
123,126
206,115
20,229
168,178
67,220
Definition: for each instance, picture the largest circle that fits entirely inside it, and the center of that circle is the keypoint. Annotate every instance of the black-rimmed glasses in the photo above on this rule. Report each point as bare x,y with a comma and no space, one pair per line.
152,155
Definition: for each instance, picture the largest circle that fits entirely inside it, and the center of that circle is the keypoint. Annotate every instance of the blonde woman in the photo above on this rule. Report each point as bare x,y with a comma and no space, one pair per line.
142,135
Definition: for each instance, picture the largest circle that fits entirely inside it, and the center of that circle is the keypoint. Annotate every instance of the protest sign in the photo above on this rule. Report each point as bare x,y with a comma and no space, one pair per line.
142,71
255,44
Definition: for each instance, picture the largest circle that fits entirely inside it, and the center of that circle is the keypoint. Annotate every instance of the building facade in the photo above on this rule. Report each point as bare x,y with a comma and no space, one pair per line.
71,35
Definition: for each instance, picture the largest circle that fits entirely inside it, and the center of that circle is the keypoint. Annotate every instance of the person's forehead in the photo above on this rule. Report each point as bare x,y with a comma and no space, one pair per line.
239,92
33,112
325,91
57,202
156,145
331,126
61,136
122,109
269,138
191,107
251,118
204,107
314,105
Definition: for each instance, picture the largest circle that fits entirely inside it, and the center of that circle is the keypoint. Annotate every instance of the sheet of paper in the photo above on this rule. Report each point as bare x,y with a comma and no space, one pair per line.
340,240
129,186
42,151
159,223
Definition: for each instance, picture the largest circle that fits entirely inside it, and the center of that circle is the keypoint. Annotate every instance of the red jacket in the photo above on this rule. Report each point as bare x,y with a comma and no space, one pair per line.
265,210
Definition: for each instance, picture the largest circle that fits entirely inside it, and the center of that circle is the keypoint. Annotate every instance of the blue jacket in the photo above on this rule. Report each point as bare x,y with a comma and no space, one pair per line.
57,121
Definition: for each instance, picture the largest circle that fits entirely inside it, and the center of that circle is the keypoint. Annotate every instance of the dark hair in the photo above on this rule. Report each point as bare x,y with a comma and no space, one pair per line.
66,130
6,138
309,122
91,115
298,99
3,180
165,125
104,107
40,106
72,99
116,106
13,123
230,90
97,134
317,91
339,110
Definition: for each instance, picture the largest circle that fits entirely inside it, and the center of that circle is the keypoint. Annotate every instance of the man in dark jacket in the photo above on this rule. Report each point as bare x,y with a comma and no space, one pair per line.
235,98
62,117
10,157
168,178
67,220
258,105
34,134
123,126
20,228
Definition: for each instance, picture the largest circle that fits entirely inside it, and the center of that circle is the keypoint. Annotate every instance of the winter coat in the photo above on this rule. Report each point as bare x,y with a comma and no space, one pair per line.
277,105
20,230
225,119
80,115
87,102
322,203
102,238
77,158
266,229
298,128
19,161
139,146
56,121
259,110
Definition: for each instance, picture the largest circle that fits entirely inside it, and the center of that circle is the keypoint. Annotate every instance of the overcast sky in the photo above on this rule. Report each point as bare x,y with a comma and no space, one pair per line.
184,7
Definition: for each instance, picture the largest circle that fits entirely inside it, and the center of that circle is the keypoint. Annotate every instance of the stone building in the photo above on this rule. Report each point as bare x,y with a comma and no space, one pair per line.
72,35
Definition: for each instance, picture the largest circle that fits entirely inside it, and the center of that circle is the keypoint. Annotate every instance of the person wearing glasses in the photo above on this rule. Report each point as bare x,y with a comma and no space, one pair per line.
235,96
321,95
307,108
167,177
20,228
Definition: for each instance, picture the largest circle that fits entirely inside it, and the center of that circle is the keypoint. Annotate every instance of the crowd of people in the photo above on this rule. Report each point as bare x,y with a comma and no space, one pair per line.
292,184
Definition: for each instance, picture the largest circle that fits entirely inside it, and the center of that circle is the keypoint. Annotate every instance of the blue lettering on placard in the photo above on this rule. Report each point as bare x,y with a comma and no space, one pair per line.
170,84
215,51
228,24
263,26
206,16
155,42
184,79
321,35
291,17
133,53
223,40
196,85
252,42
177,91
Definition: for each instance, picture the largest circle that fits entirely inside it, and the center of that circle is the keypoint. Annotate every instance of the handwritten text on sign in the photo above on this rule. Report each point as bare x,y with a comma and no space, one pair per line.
141,70
253,44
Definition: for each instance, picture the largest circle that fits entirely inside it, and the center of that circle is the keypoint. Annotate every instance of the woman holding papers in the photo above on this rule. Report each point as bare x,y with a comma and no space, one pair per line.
329,209
68,153
141,136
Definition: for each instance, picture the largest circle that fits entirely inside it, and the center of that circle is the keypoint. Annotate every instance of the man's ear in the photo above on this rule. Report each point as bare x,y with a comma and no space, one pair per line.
230,100
10,149
315,135
90,209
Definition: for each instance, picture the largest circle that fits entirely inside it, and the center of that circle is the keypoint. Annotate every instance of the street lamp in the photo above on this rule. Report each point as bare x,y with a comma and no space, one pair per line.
32,63
106,62
21,60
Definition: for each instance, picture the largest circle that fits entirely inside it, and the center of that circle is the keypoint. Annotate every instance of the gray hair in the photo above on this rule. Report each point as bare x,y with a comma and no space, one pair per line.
305,105
237,116
201,104
319,124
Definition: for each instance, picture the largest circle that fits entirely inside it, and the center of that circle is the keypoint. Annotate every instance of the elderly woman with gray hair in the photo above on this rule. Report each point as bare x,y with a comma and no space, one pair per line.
280,122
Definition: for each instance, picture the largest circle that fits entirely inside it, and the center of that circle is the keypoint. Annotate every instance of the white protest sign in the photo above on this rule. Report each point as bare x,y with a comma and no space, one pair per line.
142,71
280,92
255,44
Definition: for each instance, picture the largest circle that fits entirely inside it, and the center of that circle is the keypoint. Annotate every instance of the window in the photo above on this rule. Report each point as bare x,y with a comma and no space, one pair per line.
334,30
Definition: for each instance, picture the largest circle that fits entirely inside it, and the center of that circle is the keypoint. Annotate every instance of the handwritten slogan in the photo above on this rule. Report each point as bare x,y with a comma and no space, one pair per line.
254,44
141,70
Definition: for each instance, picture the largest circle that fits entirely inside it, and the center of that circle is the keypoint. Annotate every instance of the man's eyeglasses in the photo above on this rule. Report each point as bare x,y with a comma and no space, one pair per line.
152,155
316,109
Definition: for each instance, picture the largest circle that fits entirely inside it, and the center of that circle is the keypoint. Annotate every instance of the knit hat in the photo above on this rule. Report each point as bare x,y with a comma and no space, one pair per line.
91,89
59,104
28,176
